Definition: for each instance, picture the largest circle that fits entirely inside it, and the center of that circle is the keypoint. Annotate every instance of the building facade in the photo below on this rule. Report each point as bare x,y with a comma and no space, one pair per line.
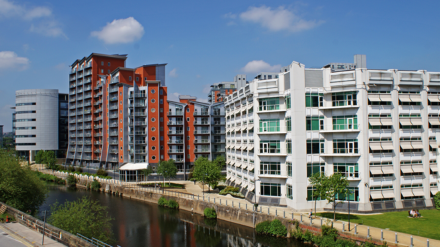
40,122
376,127
219,91
120,118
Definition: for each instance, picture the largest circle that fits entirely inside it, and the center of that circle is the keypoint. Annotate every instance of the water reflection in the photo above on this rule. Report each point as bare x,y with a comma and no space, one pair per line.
137,223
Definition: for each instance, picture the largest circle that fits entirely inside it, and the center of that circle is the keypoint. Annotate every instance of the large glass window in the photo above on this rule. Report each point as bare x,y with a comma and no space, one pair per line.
269,104
314,100
344,99
350,170
313,168
289,169
270,189
315,146
315,123
351,192
345,122
269,125
289,123
288,101
272,168
289,146
289,191
270,147
345,146
311,195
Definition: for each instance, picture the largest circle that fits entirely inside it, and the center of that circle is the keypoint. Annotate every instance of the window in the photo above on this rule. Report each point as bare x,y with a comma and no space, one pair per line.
129,78
344,122
153,129
351,192
153,119
313,168
187,138
314,99
289,169
137,78
315,146
289,124
269,104
288,102
161,92
273,168
153,101
187,128
153,148
161,147
22,104
188,147
270,189
102,63
187,119
345,146
311,194
344,99
289,192
187,109
161,119
349,170
153,109
108,71
270,147
153,91
269,125
314,123
161,138
153,138
161,101
102,71
153,157
289,146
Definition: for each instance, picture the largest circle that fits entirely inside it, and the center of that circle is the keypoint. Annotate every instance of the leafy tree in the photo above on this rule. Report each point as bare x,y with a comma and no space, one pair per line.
71,181
335,184
147,172
20,187
49,160
101,172
39,157
220,162
83,216
318,182
167,169
206,171
437,200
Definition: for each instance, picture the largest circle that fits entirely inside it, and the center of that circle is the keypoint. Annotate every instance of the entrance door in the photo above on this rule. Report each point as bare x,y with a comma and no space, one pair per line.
350,123
350,147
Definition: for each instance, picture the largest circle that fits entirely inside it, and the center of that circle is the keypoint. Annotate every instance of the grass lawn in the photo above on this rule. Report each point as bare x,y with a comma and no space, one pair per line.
167,185
427,226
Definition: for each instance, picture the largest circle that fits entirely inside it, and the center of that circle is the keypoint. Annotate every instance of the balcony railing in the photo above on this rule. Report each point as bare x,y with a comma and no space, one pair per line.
201,132
175,132
175,113
175,123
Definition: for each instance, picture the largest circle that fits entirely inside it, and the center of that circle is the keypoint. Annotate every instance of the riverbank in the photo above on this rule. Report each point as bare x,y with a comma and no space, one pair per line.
239,211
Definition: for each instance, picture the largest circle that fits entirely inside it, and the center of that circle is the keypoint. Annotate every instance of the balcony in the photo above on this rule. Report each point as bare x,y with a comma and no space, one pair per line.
113,116
272,108
72,86
140,123
201,132
201,141
175,123
138,133
219,123
175,151
87,111
218,141
138,114
218,132
272,130
113,99
113,107
137,105
113,125
113,133
113,90
87,127
97,135
201,150
113,151
220,150
202,113
138,95
97,127
175,132
139,142
113,142
97,151
201,123
88,96
175,113
98,118
175,141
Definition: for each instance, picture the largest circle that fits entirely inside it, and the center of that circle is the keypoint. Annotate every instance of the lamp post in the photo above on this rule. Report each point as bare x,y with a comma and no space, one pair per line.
348,198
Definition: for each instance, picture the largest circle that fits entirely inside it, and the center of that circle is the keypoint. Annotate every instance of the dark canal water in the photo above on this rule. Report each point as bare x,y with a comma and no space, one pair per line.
139,223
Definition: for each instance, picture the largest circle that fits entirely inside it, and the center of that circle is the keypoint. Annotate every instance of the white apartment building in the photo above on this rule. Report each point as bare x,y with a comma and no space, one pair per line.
376,127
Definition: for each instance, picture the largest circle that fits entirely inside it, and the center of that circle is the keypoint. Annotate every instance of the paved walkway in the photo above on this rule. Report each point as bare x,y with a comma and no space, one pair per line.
19,235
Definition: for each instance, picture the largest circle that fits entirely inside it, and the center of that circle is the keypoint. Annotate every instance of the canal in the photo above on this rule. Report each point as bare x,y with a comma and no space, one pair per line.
137,223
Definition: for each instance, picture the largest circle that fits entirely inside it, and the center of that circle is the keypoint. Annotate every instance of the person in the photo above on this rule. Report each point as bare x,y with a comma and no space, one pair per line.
310,214
411,212
418,213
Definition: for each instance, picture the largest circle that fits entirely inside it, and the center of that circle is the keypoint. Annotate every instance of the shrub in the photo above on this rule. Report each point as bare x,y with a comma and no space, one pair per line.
79,169
95,185
437,200
162,201
173,204
210,213
263,227
278,229
329,232
102,172
71,169
71,181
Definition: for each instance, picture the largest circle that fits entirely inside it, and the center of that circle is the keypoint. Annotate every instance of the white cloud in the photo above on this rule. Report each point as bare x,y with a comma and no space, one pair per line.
206,89
48,28
10,60
174,96
279,19
173,73
120,31
9,9
230,15
257,66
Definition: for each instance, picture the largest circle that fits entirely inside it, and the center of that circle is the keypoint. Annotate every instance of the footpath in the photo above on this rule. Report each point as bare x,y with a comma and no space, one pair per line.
196,193
18,235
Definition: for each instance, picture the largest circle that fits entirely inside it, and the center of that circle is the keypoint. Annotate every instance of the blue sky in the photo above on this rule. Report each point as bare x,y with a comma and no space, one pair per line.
206,42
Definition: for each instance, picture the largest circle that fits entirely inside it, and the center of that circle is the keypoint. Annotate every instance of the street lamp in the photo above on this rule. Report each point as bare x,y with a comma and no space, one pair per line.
348,198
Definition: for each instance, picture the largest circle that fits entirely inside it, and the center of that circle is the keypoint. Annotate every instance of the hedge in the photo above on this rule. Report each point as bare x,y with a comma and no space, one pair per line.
210,213
163,202
272,228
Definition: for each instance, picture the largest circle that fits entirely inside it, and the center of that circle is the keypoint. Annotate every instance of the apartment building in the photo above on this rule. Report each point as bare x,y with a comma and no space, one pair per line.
376,127
40,122
120,118
219,91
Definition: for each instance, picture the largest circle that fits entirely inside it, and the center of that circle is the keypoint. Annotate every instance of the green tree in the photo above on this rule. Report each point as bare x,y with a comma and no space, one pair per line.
147,172
83,216
39,157
220,162
335,184
207,172
20,187
49,160
167,169
318,182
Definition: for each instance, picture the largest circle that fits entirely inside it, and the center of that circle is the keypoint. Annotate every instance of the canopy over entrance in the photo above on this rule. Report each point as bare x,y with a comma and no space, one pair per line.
134,166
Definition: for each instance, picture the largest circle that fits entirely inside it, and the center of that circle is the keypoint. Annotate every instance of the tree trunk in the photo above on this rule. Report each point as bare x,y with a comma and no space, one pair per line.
334,208
163,186
315,207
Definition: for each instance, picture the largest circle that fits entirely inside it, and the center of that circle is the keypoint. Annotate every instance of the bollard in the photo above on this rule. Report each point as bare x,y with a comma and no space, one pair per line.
321,222
412,245
214,200
310,220
284,214
301,218
332,224
261,210
232,203
381,235
220,201
268,213
427,242
276,212
198,197
246,206
368,232
343,226
292,216
239,206
355,229
395,240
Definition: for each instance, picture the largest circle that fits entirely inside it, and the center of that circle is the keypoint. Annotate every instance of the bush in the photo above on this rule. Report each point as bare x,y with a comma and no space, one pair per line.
95,185
263,227
173,204
278,229
102,172
163,202
71,181
79,170
210,213
437,200
71,169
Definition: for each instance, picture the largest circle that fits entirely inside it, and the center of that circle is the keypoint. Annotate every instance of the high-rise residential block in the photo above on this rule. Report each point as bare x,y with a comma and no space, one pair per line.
219,91
40,122
378,128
